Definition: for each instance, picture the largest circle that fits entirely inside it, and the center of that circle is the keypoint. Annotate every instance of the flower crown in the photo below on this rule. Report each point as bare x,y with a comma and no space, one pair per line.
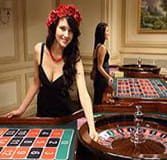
62,11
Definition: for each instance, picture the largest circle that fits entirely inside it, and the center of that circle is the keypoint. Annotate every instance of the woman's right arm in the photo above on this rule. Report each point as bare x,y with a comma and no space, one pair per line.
33,89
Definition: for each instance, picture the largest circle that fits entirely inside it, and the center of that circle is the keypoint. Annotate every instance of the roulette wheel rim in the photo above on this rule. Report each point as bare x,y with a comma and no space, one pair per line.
155,120
142,67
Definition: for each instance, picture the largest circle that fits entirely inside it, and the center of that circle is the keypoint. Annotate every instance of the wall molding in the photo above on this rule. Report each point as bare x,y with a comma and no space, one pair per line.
13,23
16,67
17,80
148,51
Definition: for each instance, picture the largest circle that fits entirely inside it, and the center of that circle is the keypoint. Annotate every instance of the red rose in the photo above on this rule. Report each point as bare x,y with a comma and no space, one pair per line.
62,11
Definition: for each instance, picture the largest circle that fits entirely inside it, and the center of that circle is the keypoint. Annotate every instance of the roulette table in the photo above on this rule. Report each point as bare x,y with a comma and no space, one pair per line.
116,132
144,88
39,138
132,91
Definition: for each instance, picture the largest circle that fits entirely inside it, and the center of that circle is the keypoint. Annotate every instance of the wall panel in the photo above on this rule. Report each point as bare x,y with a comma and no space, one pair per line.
10,93
8,32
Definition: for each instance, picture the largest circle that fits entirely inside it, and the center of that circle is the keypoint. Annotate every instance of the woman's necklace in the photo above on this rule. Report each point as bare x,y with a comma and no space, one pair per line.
55,59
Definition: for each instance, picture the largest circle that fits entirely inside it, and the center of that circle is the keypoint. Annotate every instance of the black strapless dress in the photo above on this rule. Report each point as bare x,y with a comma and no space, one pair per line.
100,82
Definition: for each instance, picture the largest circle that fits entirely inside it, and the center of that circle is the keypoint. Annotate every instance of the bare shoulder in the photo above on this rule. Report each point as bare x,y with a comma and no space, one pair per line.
37,47
101,49
37,51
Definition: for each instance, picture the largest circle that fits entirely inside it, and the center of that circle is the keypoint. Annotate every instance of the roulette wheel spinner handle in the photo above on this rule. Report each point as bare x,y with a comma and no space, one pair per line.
139,62
137,135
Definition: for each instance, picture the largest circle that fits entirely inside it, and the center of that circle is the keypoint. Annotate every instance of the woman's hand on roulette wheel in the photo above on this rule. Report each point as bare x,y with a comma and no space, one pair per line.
94,135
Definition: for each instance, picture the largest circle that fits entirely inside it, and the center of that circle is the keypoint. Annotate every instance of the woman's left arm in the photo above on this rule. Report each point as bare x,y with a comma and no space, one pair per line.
85,99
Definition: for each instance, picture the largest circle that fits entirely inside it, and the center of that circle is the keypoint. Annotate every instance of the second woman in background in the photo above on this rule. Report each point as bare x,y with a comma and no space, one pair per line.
100,62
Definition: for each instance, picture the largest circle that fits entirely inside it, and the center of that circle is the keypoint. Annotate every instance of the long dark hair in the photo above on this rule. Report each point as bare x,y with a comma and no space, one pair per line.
100,33
71,53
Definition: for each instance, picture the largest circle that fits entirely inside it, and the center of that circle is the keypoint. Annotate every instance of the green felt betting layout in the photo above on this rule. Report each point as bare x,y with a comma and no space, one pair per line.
139,88
35,143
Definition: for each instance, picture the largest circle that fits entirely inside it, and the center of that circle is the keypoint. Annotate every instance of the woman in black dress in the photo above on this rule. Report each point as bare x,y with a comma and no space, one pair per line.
100,59
57,64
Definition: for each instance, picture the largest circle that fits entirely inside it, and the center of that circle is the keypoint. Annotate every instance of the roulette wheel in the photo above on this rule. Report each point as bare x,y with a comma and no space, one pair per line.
128,136
140,70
